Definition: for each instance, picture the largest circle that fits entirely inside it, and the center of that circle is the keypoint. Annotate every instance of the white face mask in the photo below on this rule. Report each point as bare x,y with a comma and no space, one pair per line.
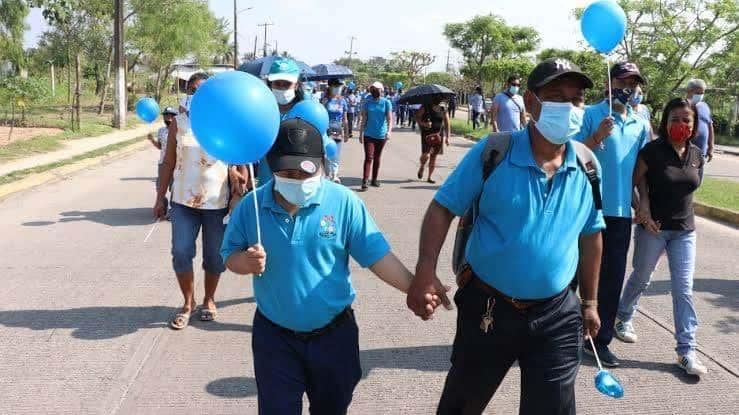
284,96
336,90
559,121
696,98
298,192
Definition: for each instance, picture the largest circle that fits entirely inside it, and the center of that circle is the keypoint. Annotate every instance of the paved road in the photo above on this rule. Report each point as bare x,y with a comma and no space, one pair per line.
85,306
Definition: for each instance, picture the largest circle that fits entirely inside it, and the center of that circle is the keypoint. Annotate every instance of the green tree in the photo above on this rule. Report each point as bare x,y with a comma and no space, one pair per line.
19,94
12,25
440,78
411,63
674,40
168,30
485,38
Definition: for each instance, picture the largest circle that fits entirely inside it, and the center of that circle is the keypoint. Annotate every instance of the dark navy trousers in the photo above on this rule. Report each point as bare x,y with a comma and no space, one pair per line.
325,367
616,239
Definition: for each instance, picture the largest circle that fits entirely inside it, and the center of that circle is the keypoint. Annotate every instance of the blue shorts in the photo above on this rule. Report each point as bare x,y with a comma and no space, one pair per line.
186,224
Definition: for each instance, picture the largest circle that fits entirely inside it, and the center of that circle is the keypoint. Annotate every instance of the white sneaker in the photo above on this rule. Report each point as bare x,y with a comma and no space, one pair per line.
624,331
691,365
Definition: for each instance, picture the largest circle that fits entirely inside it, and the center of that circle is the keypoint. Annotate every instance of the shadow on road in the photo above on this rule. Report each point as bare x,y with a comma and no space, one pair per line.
138,179
100,323
356,181
425,358
109,217
726,291
421,187
653,366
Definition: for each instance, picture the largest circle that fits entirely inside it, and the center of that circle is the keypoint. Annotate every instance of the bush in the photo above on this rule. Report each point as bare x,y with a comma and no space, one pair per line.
19,94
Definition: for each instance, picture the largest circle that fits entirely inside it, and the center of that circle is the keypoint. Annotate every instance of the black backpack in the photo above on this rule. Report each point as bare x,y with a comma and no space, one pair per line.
495,151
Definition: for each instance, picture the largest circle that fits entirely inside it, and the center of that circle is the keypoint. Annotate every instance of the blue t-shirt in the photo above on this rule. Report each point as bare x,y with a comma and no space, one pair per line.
704,124
509,111
525,239
336,108
306,282
377,110
617,155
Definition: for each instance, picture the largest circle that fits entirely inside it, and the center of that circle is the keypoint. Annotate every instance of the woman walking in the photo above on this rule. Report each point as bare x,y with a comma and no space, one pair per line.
433,121
338,110
666,176
377,123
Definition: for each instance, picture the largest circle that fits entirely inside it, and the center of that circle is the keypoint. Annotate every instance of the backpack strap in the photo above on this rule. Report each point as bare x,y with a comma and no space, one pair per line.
493,154
589,164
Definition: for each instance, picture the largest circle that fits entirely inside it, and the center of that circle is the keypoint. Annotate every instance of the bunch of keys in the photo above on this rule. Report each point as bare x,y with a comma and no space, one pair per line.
487,318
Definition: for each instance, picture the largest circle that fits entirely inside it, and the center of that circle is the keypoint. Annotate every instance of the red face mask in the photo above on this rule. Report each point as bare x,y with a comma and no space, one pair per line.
679,132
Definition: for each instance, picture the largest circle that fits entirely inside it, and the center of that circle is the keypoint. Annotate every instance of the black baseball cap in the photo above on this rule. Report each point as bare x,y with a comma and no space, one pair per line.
299,146
170,111
555,68
623,70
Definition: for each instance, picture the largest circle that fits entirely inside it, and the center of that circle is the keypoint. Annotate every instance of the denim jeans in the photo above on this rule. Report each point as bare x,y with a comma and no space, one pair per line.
186,224
680,247
332,166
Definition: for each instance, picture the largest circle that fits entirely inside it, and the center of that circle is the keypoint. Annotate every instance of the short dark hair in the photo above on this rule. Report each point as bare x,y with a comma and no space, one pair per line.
197,76
676,103
512,78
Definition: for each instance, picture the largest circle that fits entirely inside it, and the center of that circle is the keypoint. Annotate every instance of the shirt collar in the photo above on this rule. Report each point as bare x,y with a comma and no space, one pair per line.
522,155
630,115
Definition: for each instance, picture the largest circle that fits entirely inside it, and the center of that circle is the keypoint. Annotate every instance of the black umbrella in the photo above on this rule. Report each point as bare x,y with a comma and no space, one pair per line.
425,93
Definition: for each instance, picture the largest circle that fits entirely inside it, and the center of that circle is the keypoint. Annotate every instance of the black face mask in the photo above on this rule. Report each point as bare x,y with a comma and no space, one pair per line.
375,94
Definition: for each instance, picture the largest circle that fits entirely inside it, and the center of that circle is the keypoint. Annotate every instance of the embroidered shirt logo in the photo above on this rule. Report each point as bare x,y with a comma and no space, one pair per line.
328,227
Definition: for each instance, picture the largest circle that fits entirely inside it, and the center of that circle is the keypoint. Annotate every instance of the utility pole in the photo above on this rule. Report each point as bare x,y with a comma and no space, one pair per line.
236,37
255,47
448,54
119,101
350,53
265,25
53,80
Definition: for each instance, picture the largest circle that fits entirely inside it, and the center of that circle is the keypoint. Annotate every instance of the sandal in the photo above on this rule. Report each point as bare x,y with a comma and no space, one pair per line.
207,314
420,173
180,320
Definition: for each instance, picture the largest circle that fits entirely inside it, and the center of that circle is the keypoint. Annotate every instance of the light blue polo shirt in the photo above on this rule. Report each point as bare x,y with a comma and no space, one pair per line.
617,155
376,111
307,280
525,240
509,111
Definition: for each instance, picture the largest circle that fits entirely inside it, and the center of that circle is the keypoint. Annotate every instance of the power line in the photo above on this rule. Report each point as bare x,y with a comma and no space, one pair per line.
265,25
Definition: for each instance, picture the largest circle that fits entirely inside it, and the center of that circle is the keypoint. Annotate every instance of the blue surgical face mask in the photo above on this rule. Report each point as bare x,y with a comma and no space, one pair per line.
513,90
298,192
558,121
636,98
696,98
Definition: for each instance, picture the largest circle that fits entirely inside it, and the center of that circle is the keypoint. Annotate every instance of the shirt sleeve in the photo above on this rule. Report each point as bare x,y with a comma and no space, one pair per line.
388,107
367,244
236,237
461,188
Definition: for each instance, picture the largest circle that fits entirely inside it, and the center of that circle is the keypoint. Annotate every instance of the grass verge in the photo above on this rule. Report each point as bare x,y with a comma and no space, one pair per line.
461,127
719,193
21,174
727,140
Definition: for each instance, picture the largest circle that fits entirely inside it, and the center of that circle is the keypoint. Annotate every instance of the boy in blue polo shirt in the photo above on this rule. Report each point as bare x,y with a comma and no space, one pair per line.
305,338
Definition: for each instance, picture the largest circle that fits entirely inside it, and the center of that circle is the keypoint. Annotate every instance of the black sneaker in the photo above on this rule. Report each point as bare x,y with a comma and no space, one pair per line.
375,183
607,358
364,187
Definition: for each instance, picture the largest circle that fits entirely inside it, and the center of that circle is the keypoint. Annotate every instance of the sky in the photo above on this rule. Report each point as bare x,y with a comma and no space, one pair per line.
319,31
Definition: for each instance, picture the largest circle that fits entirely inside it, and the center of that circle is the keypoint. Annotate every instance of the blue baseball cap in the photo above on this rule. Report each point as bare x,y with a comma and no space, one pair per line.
284,69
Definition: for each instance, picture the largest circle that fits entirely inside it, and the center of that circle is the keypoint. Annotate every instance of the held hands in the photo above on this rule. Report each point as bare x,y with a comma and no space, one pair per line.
426,293
255,259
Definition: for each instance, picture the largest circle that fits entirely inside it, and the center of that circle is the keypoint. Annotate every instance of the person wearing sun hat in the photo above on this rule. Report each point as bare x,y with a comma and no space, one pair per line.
304,336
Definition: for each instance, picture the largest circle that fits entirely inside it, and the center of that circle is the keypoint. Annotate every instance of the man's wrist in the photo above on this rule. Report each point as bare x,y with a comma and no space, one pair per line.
588,303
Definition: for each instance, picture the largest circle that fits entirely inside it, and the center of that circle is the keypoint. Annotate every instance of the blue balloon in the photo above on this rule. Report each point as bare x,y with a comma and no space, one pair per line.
331,149
603,25
234,117
351,85
398,85
607,384
147,109
312,112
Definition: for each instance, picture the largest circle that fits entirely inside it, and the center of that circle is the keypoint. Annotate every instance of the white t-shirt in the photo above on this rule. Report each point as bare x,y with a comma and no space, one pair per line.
162,139
476,102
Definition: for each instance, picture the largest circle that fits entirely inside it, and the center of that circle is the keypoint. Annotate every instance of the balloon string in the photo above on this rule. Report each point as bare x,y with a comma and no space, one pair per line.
610,97
256,203
595,352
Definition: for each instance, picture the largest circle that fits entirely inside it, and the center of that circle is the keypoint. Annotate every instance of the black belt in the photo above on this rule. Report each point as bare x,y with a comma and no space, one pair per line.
345,315
518,304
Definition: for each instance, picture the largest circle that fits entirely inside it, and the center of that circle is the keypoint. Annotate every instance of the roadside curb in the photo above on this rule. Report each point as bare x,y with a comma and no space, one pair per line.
716,213
63,172
732,152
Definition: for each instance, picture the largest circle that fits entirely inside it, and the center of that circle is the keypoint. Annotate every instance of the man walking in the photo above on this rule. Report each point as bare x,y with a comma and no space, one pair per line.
616,139
704,136
508,112
476,107
514,301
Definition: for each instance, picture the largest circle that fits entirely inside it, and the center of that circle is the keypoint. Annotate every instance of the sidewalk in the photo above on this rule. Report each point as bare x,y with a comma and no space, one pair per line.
74,148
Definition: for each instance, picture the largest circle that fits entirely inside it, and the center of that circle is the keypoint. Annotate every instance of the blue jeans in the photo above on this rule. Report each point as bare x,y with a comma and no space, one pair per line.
186,224
680,247
325,367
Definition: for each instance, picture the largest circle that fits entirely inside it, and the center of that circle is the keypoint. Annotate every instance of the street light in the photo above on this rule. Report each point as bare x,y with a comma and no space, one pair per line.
236,33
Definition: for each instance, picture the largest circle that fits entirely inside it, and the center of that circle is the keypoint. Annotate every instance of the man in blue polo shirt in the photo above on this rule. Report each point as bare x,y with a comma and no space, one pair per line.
514,301
616,140
304,337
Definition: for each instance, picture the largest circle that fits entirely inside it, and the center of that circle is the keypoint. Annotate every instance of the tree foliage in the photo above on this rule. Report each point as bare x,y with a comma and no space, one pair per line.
411,63
12,26
591,63
488,38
